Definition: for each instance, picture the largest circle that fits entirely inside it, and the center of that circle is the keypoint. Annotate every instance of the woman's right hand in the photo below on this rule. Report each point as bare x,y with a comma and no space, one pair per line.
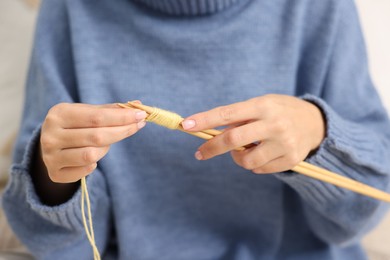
74,137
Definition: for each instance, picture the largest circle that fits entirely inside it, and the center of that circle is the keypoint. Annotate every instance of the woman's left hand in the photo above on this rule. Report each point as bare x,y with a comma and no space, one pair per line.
287,130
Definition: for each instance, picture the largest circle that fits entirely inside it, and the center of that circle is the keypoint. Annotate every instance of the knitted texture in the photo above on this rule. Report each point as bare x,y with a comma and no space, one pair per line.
150,199
189,7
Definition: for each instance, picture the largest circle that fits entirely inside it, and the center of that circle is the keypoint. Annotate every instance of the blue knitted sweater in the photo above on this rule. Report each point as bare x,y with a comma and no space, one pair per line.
150,198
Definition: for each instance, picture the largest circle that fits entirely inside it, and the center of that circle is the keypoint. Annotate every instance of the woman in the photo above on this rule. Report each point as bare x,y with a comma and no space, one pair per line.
290,74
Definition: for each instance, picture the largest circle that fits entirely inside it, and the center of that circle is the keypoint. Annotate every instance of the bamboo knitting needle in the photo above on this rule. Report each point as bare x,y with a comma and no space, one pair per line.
149,110
341,181
304,168
205,134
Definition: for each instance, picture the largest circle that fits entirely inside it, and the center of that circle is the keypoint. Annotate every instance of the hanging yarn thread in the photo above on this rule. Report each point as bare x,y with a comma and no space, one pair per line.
88,226
162,117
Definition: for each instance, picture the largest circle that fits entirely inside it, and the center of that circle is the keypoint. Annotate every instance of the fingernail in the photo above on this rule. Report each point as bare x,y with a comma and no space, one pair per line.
141,124
139,115
188,124
198,155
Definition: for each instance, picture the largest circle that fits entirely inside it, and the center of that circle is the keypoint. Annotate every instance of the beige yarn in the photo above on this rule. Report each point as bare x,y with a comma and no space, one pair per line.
165,118
88,226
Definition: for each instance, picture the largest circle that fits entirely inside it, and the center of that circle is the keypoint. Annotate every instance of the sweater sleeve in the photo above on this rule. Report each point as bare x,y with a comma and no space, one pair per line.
49,232
357,144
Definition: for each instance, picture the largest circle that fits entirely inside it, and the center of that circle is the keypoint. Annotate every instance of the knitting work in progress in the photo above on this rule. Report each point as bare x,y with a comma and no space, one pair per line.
173,121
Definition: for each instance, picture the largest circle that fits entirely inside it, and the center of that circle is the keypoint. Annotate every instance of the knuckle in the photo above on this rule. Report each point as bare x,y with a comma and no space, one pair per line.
290,143
281,125
48,159
247,163
258,171
61,105
266,105
55,176
256,102
55,109
225,113
89,155
96,119
58,108
97,138
259,102
51,119
293,159
47,142
90,168
55,113
267,101
233,138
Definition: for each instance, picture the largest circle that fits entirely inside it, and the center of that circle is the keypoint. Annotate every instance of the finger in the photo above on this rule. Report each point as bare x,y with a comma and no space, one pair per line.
222,116
72,174
76,157
234,138
111,105
97,137
258,156
84,116
280,164
231,126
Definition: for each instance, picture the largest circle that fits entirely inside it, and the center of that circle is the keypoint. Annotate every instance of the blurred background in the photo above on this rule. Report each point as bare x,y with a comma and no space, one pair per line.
17,21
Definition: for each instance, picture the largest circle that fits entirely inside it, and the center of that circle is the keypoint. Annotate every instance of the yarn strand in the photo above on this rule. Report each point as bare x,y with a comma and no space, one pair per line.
88,227
165,118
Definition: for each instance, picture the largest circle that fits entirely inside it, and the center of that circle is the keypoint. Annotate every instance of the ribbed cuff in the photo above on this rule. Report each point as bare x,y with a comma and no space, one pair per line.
188,7
21,190
345,150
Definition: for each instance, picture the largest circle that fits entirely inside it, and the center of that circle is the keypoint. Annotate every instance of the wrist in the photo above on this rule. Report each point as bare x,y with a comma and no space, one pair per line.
318,123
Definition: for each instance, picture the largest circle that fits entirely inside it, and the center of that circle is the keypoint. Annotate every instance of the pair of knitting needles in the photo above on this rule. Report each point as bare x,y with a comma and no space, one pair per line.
304,168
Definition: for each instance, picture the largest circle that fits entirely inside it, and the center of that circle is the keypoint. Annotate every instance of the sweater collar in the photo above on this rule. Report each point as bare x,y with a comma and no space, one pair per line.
188,7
